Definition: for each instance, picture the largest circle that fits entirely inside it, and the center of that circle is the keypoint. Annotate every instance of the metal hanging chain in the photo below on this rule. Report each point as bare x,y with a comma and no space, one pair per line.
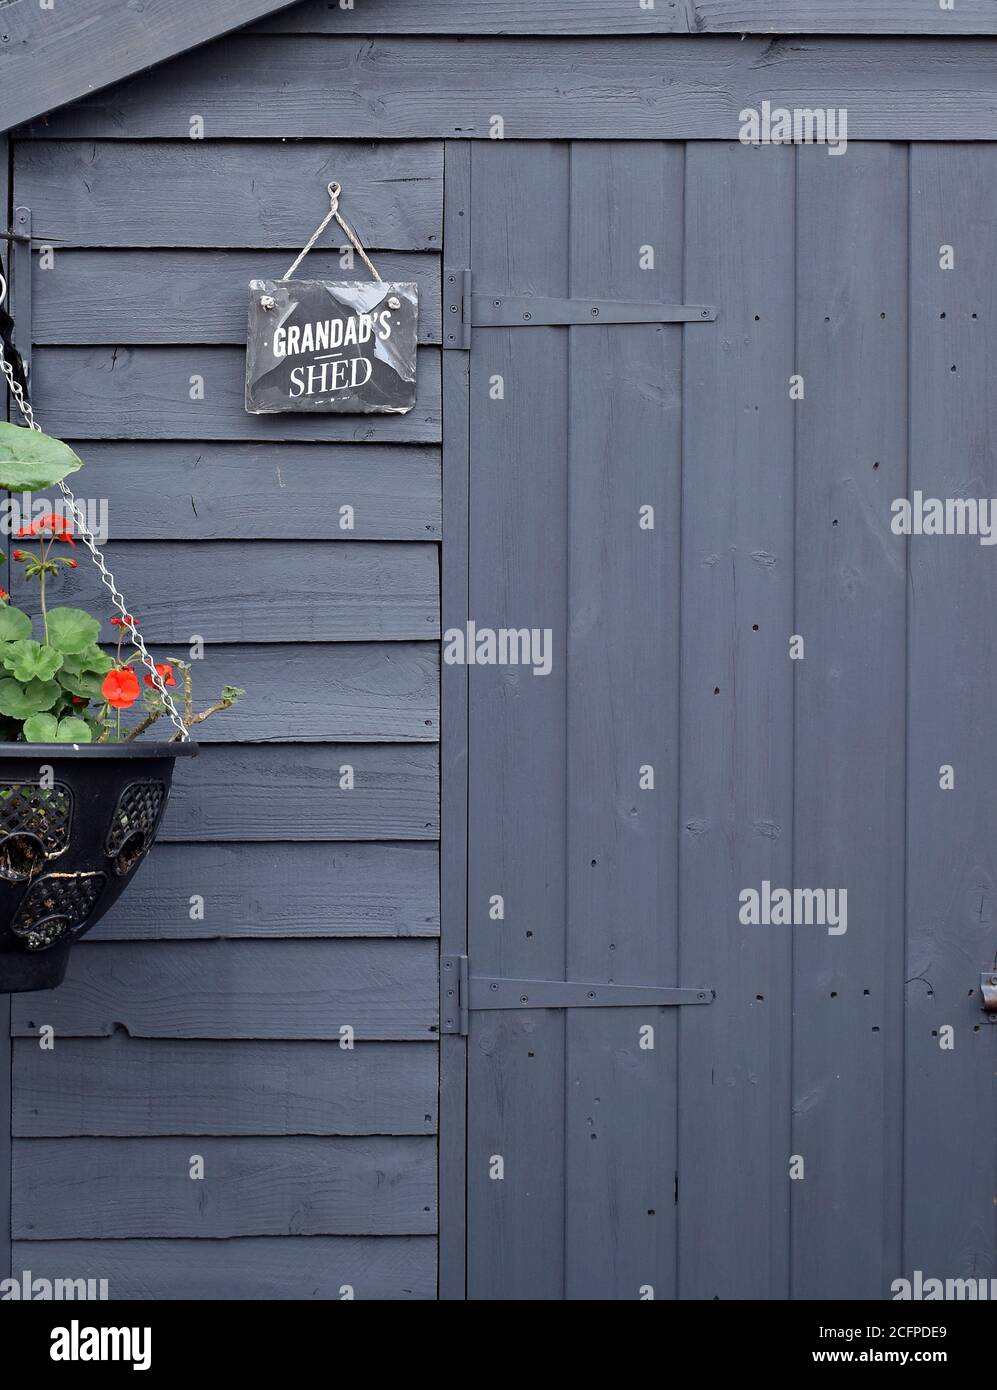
89,540
334,190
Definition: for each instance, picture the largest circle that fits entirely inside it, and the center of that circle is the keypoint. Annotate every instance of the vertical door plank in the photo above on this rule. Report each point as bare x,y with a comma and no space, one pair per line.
850,694
453,726
952,851
516,737
624,452
736,721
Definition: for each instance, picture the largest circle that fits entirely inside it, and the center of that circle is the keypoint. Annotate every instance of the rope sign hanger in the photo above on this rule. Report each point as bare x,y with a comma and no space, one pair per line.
334,190
330,346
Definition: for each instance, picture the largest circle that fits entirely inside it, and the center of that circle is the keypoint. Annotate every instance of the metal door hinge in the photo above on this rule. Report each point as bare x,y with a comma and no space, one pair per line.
464,310
988,988
457,309
461,993
453,994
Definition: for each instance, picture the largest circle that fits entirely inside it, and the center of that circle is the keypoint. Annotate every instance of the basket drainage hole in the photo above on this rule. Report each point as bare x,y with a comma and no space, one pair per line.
21,856
130,853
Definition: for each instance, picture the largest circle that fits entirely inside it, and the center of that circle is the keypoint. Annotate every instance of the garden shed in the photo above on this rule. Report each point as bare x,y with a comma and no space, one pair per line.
441,981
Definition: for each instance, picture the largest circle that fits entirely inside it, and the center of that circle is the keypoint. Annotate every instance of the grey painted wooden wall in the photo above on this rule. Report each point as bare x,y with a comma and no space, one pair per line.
220,1037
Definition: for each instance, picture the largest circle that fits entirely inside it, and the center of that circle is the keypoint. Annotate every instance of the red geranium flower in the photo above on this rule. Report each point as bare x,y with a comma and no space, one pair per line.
4,596
60,526
126,621
120,687
19,555
166,672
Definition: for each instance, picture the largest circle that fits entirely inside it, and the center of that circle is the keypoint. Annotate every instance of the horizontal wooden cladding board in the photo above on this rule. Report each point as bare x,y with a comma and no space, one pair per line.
71,1189
262,591
383,990
190,296
534,17
292,792
199,393
265,193
279,890
133,1086
383,692
260,1268
691,87
220,491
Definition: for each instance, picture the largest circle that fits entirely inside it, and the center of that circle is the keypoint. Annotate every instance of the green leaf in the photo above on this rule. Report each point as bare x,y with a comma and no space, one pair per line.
41,728
45,728
92,658
73,730
21,701
82,672
14,625
71,630
31,461
86,685
28,659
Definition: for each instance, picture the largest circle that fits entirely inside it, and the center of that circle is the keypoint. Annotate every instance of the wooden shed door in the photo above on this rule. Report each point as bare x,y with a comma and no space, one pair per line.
659,508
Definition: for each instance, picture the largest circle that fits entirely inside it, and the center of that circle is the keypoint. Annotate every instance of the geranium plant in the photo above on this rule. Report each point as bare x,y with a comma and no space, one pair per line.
57,684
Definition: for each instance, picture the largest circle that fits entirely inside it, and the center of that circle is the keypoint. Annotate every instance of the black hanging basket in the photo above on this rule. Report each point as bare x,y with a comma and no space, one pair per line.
70,841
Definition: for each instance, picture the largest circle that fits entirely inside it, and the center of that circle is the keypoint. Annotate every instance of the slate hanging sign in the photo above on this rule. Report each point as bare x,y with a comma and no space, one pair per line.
316,345
329,346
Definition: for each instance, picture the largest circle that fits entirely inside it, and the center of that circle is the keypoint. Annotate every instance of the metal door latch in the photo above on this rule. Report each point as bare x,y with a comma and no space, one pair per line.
988,988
